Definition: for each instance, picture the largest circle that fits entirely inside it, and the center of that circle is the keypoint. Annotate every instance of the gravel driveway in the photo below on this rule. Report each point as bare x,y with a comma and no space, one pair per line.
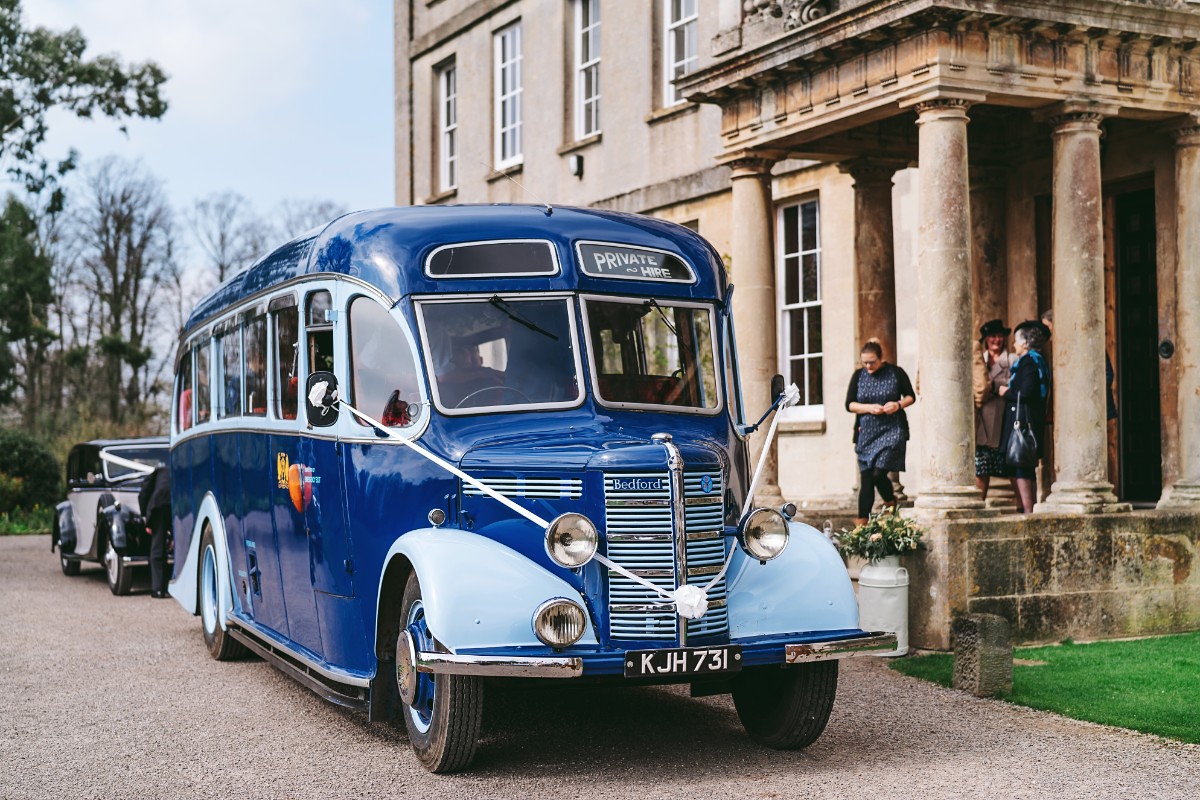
114,697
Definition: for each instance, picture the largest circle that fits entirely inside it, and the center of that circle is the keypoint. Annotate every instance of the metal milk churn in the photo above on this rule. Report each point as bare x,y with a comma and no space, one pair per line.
883,600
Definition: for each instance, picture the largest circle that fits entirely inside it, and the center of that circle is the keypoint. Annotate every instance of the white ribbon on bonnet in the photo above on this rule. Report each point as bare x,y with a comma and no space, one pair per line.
691,601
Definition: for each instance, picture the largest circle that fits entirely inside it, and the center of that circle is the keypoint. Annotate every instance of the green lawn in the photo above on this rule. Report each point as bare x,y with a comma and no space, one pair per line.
1148,685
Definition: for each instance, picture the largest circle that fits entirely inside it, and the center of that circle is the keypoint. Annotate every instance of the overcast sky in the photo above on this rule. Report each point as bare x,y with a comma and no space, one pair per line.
275,99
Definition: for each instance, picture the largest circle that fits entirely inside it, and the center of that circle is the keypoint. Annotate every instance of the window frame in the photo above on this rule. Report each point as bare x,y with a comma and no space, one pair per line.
670,302
447,126
511,35
583,68
805,411
670,59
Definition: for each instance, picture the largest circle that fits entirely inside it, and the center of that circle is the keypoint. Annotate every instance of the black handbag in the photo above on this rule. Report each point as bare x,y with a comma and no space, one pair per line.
1022,442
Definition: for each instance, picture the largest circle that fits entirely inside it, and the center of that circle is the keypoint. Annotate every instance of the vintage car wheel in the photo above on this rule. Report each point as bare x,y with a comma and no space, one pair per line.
446,711
120,574
70,566
221,645
786,708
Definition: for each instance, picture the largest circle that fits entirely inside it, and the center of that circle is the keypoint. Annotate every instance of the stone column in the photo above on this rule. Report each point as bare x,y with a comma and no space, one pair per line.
944,302
754,306
1186,492
875,261
989,257
1077,266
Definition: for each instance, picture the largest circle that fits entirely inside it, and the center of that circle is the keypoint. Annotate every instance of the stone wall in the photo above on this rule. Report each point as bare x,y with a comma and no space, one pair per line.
1054,577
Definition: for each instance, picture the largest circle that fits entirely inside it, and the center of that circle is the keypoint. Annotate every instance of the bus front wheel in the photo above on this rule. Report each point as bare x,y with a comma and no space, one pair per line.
786,708
221,645
442,713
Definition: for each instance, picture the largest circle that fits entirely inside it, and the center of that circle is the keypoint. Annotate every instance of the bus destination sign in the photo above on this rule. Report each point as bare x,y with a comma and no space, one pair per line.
632,263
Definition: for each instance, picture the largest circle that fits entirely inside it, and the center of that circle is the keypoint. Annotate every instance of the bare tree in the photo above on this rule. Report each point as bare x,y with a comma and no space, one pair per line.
127,242
295,217
228,232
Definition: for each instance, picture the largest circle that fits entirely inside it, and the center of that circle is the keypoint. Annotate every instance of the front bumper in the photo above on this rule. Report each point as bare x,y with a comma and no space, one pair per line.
755,653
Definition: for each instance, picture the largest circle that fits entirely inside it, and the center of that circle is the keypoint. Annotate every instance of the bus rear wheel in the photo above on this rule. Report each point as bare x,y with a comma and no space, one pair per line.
220,644
442,713
786,708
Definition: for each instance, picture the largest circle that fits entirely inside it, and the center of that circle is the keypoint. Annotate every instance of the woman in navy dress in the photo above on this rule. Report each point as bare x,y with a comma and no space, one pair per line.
1030,382
878,395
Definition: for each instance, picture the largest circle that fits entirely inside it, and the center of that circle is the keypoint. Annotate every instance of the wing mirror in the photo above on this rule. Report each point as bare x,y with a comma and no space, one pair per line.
320,399
777,387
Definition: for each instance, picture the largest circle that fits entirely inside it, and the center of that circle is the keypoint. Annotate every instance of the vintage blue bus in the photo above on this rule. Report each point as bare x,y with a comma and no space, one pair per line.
424,449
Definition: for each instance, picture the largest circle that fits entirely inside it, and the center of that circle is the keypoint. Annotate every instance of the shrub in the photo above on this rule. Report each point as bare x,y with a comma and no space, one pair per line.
25,460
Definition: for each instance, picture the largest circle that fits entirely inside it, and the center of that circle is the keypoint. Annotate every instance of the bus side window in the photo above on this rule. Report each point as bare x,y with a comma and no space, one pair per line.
184,420
383,369
256,367
320,333
230,394
203,397
286,318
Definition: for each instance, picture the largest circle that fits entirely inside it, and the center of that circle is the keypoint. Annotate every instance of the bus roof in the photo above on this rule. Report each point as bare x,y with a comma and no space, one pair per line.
388,249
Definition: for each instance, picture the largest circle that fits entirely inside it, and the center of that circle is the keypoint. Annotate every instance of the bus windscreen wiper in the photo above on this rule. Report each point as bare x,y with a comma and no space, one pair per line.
506,309
652,303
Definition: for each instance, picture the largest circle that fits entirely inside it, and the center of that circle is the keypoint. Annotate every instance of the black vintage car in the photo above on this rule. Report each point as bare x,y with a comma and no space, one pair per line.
100,520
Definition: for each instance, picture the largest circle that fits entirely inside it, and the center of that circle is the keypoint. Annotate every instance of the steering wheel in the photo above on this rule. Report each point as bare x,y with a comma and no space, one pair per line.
509,389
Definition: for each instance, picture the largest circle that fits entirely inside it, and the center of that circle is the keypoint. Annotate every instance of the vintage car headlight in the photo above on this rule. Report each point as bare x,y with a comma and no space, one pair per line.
559,622
764,534
571,540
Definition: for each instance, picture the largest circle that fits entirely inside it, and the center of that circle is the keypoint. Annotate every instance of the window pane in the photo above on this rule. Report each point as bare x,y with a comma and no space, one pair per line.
796,376
287,337
384,374
184,420
231,357
809,222
814,329
501,353
795,323
203,398
815,389
493,258
256,367
812,278
791,230
791,280
654,355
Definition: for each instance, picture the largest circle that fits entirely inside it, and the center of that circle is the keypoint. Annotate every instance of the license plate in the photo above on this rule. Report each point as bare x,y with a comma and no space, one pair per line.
682,661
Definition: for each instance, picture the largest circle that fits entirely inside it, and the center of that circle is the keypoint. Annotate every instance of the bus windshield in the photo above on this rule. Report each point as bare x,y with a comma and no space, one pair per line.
647,354
501,353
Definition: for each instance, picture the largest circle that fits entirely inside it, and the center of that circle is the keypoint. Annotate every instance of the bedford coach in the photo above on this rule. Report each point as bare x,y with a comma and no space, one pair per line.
426,449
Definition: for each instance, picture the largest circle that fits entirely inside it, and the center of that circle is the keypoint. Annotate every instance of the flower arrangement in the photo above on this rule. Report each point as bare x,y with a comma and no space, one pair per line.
884,534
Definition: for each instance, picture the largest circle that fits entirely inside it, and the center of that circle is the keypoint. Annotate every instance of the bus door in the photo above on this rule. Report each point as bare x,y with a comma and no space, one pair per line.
325,513
295,478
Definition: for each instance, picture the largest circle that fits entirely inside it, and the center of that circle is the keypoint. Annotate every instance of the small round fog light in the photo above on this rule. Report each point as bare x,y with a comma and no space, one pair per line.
559,622
764,534
571,540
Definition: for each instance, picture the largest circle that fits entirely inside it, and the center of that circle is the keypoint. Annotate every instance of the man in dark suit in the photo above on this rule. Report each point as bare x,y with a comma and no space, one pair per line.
154,500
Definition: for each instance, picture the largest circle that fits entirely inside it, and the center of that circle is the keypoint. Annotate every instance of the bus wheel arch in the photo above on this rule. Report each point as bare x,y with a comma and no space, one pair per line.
211,587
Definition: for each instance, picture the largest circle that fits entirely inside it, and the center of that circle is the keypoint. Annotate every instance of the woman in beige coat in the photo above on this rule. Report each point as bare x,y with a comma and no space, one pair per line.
992,363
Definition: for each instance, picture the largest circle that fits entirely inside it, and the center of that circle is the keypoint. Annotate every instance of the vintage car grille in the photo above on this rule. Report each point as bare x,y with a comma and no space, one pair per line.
553,488
638,530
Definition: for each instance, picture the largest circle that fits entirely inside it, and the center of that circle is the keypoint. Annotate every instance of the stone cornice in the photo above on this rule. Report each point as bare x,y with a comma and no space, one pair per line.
839,35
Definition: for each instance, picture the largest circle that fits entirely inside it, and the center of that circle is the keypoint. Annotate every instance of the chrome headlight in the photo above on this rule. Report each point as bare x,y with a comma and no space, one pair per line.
763,534
559,622
571,540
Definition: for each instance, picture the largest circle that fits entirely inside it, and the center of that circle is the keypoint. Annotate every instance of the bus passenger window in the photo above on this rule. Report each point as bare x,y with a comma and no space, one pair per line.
256,367
184,420
382,367
231,365
203,397
320,333
287,337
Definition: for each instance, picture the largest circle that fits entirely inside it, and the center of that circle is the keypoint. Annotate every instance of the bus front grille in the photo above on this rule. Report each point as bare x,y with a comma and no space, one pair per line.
640,539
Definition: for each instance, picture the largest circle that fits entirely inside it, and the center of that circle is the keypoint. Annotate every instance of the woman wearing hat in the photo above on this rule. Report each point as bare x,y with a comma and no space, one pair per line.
993,365
1028,385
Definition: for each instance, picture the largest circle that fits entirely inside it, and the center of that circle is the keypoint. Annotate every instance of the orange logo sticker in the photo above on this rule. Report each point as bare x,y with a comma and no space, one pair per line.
299,482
